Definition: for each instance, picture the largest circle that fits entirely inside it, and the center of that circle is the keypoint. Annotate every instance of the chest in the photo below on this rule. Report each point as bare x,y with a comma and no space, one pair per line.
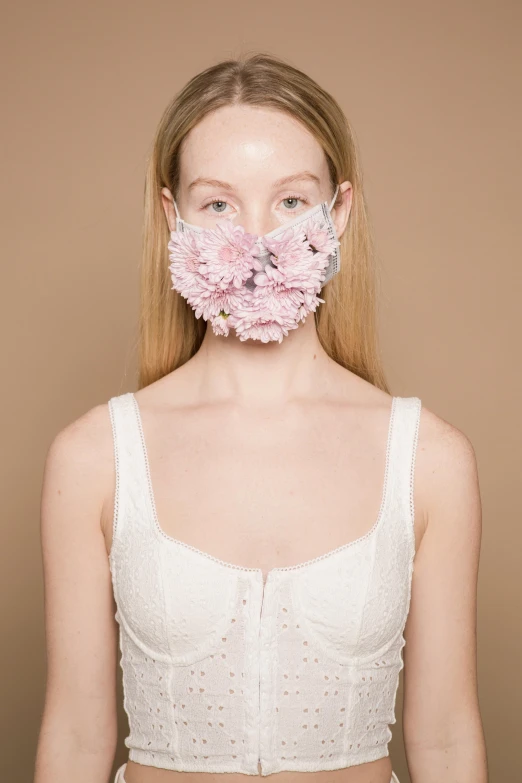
265,490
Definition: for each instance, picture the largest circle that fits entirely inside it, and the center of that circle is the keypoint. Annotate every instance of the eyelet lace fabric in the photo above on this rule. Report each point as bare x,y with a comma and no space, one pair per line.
223,673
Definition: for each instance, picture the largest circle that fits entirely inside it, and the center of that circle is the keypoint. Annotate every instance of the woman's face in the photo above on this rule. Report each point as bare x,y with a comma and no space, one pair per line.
256,165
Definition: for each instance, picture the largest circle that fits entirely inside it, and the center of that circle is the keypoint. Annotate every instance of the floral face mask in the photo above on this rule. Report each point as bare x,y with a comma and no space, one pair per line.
261,286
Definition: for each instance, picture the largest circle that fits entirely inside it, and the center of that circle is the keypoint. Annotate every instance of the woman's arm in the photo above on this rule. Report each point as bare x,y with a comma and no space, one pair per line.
78,732
443,731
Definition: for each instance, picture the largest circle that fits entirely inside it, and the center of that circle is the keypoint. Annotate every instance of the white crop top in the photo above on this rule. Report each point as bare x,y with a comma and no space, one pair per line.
223,673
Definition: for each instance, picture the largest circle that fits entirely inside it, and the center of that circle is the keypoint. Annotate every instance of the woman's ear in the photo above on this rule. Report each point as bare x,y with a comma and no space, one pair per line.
168,205
341,210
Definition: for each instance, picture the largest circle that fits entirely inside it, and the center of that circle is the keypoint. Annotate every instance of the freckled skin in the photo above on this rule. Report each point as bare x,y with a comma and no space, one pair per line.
251,148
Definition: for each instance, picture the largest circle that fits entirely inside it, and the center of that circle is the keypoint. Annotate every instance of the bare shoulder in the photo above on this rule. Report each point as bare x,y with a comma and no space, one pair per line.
83,441
79,461
446,474
443,437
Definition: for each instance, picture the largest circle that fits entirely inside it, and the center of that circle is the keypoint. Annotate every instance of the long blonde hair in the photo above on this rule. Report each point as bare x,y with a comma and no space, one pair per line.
169,333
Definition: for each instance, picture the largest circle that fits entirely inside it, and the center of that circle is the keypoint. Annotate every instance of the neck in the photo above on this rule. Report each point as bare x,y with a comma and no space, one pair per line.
256,374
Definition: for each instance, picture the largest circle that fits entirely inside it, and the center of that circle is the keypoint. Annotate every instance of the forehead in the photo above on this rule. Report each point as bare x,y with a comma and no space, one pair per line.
237,143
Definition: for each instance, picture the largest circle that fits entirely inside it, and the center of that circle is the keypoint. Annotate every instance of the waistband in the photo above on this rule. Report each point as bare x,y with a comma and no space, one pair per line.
120,779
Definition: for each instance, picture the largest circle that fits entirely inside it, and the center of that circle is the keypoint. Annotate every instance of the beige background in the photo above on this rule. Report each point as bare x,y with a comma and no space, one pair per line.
433,92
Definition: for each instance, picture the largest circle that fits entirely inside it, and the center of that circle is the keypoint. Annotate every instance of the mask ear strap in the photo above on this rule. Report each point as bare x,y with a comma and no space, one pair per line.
176,208
332,202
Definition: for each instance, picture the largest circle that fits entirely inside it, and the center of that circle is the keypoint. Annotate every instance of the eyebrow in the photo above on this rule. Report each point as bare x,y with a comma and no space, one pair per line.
217,183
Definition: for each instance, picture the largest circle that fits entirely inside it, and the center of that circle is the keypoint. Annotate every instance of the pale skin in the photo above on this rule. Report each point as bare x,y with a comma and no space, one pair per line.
316,434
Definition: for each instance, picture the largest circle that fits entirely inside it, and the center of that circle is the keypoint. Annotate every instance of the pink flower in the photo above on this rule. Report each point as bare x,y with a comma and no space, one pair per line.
310,305
316,232
205,297
211,302
219,324
306,272
185,261
289,248
229,253
210,270
270,276
300,255
268,316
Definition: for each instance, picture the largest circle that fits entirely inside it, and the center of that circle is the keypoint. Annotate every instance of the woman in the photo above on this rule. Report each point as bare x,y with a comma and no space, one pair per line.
262,523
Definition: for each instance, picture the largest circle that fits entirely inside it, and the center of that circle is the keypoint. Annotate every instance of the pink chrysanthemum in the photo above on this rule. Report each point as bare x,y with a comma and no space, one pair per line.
300,299
220,324
268,316
294,278
185,261
229,252
296,264
316,232
306,273
288,249
211,302
210,270
206,298
310,305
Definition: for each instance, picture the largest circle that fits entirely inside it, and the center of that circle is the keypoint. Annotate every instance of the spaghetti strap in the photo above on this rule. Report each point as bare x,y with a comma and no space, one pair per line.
403,453
131,502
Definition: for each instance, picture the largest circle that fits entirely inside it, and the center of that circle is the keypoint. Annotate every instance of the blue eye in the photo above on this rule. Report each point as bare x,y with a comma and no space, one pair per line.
292,202
221,204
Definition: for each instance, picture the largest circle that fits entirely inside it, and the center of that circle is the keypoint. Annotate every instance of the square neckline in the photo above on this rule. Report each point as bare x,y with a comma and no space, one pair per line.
276,569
